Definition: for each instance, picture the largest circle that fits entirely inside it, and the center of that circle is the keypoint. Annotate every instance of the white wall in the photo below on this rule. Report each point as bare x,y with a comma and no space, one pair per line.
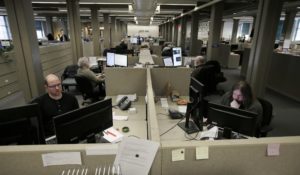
143,31
227,30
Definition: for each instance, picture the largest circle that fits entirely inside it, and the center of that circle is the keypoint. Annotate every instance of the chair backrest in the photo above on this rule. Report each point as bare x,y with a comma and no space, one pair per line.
70,71
85,86
267,112
206,75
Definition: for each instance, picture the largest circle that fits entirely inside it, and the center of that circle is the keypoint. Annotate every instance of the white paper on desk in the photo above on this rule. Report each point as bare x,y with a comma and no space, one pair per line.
164,102
182,109
131,97
102,149
212,133
273,149
135,156
61,158
120,117
112,135
201,152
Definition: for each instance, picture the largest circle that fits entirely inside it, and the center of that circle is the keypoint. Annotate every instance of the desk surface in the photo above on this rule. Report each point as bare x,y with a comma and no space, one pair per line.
136,128
139,105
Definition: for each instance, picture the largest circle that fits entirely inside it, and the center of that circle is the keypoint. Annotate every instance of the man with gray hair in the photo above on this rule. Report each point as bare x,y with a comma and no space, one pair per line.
200,60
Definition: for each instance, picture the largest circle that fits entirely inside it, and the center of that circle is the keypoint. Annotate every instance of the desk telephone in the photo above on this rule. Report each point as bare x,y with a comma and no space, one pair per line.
124,103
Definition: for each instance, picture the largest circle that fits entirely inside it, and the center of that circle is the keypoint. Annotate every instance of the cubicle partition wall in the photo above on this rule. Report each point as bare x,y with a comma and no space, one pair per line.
174,157
233,157
177,78
125,81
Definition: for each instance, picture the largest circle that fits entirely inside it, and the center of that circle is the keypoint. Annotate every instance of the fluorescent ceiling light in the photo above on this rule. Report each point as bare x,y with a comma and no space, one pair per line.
130,9
157,10
177,4
109,3
52,2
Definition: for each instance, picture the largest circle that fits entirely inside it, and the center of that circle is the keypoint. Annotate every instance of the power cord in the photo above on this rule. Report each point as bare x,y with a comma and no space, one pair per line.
172,127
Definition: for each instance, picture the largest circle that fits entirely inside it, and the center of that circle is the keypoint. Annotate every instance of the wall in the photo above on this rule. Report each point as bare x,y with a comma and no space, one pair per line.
143,31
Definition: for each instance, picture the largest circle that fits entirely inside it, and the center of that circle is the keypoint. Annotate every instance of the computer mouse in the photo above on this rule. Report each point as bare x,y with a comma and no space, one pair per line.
125,129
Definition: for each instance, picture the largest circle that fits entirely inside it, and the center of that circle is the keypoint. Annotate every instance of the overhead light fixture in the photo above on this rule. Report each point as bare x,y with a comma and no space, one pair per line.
298,7
135,18
196,8
234,13
109,3
151,18
45,2
136,22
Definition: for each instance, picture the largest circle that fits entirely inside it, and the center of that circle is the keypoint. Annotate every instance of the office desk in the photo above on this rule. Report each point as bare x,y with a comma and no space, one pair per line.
136,128
139,105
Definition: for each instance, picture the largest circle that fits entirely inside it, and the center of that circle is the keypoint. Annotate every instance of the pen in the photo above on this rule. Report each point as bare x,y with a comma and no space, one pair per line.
108,132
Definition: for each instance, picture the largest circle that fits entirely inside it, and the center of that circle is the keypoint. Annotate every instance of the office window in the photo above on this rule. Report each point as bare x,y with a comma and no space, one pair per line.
279,30
297,31
4,29
39,29
245,29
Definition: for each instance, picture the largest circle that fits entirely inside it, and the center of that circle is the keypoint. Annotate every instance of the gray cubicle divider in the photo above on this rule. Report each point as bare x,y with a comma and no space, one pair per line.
125,81
234,157
179,79
152,123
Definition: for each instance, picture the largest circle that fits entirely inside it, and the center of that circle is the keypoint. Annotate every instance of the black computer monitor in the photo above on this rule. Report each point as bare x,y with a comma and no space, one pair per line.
238,120
177,56
121,60
82,124
195,108
21,125
110,59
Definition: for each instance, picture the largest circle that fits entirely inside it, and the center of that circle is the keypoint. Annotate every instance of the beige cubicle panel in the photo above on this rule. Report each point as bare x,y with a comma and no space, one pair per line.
234,157
27,160
125,81
179,79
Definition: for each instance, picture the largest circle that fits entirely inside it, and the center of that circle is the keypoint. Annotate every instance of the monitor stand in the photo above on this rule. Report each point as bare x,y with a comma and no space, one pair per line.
192,127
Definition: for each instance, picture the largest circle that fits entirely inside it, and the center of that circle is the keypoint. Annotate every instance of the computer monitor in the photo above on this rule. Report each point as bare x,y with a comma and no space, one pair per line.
82,124
195,108
238,120
168,62
21,125
177,56
121,60
110,59
133,40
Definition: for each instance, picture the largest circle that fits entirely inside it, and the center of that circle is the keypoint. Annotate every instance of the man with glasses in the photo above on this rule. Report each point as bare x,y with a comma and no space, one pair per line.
54,102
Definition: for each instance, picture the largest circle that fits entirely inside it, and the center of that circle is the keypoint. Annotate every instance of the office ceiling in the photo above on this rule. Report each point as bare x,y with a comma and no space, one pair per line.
145,12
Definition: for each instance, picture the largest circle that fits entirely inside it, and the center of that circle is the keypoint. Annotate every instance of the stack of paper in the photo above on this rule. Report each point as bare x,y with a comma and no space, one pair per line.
112,135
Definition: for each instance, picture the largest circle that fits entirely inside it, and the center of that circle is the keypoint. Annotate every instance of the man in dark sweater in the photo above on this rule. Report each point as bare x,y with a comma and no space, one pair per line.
54,102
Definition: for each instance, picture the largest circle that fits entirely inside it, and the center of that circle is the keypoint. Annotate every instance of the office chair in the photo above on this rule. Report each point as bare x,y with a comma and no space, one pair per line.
89,93
206,75
68,75
266,118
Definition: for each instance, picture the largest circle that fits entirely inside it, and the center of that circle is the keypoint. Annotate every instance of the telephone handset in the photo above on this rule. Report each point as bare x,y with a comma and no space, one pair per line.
124,103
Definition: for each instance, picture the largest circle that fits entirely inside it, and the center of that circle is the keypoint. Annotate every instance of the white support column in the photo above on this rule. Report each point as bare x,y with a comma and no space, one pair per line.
106,31
261,52
30,73
194,47
234,30
113,30
75,28
96,30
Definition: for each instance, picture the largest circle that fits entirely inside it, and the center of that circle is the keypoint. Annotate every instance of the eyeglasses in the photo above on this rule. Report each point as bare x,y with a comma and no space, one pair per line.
54,86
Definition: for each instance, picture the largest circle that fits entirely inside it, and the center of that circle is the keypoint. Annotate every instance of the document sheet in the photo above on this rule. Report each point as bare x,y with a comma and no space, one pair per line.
135,156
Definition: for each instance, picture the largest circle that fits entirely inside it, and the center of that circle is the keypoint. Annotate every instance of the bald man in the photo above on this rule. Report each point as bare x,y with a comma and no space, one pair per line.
54,102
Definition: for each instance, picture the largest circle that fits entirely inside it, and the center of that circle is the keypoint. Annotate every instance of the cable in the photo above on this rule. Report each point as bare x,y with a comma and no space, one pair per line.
172,127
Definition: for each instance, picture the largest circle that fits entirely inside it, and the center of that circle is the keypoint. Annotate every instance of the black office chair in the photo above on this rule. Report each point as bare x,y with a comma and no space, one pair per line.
206,75
68,77
89,93
267,117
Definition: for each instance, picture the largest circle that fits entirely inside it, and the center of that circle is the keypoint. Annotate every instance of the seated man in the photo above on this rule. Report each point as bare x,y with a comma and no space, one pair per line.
241,97
54,102
96,80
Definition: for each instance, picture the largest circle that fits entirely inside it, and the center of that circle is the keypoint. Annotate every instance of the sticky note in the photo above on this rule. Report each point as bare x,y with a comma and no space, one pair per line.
61,158
202,152
273,149
178,154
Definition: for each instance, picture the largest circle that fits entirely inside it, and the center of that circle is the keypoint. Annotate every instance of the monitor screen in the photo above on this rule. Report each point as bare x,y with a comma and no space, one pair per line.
110,59
21,125
177,56
121,60
133,40
168,62
238,120
82,124
195,108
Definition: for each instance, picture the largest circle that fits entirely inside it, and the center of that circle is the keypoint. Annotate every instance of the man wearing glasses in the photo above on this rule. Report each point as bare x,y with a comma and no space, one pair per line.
54,102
